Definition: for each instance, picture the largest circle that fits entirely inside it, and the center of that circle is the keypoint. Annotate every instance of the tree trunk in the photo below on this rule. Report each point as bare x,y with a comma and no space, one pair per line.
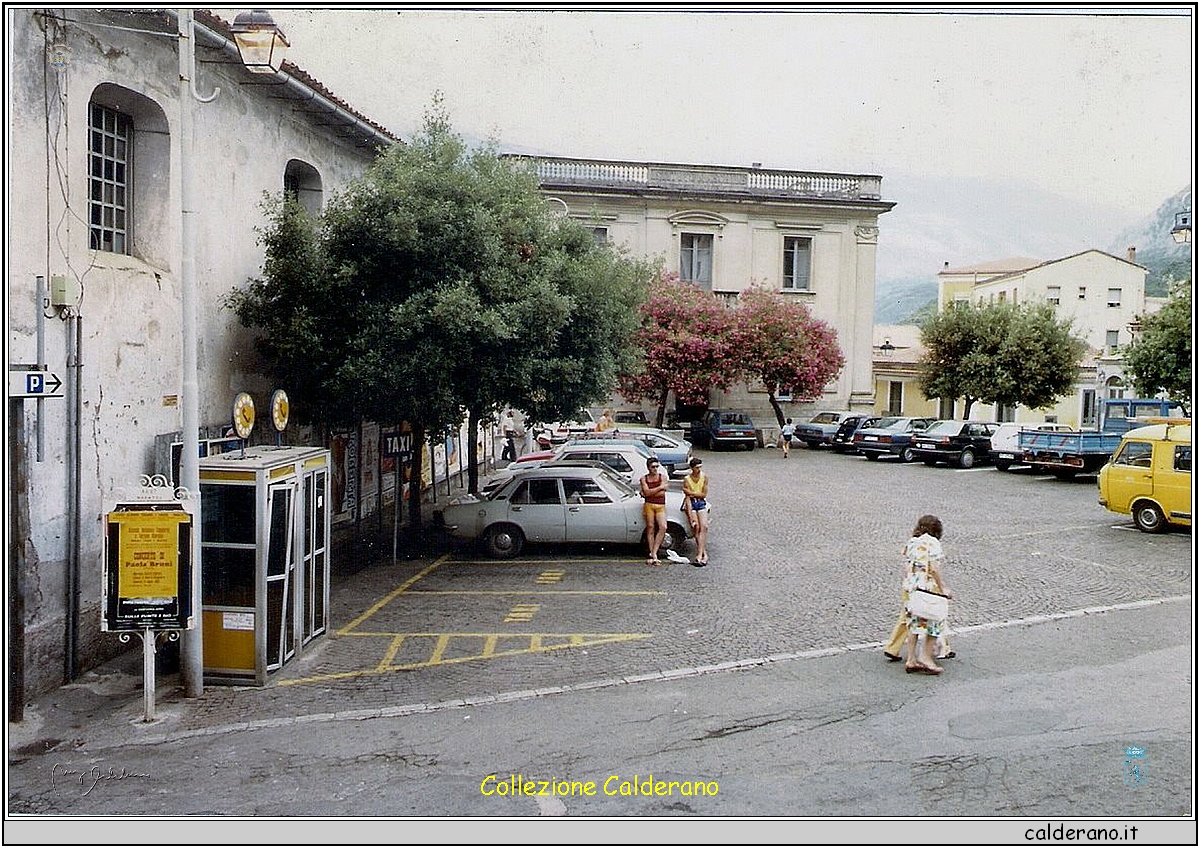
778,409
968,402
414,489
472,451
662,408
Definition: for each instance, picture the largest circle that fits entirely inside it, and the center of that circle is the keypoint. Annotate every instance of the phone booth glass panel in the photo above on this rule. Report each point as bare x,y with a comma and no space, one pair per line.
264,559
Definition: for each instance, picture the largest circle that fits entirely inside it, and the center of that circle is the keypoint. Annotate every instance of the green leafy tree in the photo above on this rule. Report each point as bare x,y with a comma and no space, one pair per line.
999,353
1160,358
781,344
436,284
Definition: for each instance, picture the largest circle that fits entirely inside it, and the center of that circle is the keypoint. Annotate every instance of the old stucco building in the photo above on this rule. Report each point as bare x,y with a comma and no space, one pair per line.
807,235
94,147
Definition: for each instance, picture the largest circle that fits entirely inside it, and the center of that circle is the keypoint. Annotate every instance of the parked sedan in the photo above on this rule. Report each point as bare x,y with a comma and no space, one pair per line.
672,451
555,504
892,436
819,429
961,443
843,439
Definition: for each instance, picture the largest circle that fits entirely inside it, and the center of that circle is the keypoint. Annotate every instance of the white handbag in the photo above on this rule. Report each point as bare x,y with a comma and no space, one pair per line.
931,606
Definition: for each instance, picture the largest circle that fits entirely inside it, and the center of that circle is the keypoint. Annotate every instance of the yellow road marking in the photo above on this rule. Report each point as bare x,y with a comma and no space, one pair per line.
521,612
391,652
535,592
398,590
547,577
536,645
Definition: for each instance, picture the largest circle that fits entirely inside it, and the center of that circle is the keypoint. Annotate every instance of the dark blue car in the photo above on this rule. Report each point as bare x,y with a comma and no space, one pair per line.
890,436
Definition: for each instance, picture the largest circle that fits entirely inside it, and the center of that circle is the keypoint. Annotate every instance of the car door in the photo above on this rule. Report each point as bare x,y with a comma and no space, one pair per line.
536,506
1130,473
593,515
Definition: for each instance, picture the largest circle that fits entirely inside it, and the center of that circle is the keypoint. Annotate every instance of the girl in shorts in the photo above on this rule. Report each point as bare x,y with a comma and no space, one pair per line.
695,503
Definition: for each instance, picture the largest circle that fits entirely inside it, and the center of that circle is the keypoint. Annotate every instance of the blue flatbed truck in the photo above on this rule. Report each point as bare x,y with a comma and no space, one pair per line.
1086,451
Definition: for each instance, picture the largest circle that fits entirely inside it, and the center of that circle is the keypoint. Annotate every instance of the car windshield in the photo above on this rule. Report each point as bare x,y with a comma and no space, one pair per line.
825,418
618,484
944,428
735,418
885,423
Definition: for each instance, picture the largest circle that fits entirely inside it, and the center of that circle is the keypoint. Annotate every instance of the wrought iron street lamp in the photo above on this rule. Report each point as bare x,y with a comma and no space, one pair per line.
1182,231
260,41
261,34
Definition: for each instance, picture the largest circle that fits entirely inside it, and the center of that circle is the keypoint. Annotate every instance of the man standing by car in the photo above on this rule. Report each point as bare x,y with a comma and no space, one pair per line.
508,427
654,490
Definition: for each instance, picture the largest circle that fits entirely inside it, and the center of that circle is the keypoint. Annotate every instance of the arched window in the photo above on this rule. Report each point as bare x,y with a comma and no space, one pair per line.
302,183
129,163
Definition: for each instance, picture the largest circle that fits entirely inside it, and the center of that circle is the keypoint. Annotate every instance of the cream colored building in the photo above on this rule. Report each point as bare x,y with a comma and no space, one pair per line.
809,236
1102,296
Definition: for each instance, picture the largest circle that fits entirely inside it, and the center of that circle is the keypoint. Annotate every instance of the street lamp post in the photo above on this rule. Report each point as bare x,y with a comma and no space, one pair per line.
261,46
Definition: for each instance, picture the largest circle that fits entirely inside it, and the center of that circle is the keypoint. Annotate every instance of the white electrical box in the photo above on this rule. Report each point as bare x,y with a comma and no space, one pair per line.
64,290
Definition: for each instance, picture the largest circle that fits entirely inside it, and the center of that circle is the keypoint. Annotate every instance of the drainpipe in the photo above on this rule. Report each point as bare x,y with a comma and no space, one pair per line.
74,486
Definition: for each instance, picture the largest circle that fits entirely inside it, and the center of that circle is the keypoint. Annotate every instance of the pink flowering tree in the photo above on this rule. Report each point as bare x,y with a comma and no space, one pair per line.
685,345
779,342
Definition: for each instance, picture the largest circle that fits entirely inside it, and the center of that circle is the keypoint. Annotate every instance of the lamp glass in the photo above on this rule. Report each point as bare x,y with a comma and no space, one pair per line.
262,50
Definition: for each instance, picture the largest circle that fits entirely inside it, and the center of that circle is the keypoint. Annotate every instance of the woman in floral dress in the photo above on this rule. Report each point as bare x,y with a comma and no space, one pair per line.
923,571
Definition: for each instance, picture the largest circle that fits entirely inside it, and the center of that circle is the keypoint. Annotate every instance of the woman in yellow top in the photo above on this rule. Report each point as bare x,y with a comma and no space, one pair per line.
695,503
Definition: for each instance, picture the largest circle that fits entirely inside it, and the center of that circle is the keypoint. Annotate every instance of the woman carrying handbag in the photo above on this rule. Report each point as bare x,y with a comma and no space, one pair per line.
927,595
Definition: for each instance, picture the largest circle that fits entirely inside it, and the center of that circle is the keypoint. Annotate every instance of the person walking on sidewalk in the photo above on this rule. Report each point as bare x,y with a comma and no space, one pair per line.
924,557
785,437
654,490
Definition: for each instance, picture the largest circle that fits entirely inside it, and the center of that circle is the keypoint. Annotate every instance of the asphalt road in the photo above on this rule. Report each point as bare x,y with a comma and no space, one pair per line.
760,674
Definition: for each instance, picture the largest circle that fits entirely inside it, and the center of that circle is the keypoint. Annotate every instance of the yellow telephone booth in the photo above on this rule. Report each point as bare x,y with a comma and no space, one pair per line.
264,559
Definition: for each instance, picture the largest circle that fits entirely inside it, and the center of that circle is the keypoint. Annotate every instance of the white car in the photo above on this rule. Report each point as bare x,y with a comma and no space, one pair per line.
558,503
557,432
1006,450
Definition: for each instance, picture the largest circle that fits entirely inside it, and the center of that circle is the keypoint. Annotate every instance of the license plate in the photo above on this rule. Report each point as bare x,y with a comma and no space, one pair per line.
1006,456
870,438
925,445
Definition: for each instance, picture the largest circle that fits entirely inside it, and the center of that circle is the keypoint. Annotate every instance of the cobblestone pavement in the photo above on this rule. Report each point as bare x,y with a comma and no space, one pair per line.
804,558
785,532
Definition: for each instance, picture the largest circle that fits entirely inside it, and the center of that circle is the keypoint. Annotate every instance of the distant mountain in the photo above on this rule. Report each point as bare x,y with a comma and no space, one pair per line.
942,220
1156,249
901,300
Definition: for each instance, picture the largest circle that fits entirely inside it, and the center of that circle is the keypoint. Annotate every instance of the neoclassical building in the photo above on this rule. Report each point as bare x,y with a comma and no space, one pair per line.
808,235
95,202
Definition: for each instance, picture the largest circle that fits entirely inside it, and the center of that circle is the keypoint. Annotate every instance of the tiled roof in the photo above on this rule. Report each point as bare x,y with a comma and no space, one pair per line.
220,26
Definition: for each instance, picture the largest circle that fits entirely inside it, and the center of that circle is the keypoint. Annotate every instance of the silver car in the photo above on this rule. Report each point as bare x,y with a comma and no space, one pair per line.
558,503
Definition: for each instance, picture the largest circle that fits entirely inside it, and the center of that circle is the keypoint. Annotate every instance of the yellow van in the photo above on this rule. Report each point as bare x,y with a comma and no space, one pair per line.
1150,476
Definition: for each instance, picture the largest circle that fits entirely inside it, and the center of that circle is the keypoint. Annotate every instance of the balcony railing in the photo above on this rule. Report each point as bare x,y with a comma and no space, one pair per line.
586,173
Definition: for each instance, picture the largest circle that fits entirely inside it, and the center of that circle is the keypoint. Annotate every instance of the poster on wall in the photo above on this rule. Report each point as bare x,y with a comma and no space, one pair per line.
343,459
368,471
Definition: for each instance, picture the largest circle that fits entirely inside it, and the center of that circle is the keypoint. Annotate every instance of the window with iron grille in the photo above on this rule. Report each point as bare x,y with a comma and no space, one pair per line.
110,148
695,258
797,262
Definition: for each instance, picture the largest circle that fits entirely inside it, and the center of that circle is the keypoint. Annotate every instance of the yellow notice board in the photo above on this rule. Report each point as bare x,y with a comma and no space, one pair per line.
148,555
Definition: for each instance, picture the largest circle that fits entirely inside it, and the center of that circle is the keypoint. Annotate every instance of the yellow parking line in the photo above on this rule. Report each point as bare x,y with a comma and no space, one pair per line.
439,649
391,652
534,592
398,590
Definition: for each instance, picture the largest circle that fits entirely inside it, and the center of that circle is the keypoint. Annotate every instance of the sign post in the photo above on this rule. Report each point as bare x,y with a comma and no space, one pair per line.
147,580
398,445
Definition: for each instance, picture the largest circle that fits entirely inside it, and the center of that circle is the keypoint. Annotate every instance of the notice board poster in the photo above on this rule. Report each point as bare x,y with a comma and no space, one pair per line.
147,580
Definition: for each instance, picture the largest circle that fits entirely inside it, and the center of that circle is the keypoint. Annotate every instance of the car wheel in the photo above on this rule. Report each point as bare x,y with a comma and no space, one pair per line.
1148,517
930,462
966,459
1065,474
813,445
674,540
871,456
1003,464
907,455
504,541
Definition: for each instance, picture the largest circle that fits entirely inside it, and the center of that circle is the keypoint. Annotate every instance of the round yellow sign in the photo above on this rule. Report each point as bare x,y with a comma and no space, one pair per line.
279,409
243,415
